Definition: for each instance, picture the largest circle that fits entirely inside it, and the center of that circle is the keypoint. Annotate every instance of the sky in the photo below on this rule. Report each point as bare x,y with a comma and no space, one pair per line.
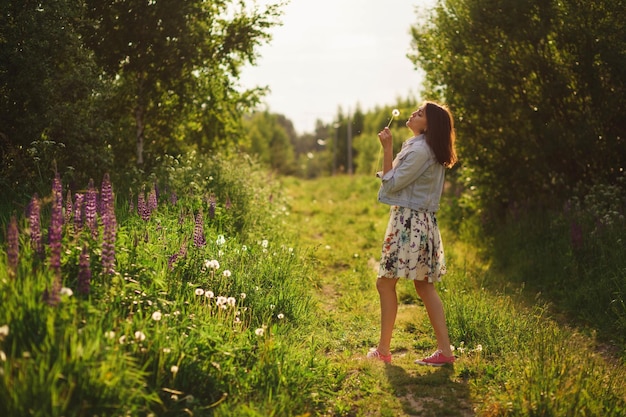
337,53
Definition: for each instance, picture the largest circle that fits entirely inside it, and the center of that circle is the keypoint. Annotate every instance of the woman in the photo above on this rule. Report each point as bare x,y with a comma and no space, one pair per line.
412,184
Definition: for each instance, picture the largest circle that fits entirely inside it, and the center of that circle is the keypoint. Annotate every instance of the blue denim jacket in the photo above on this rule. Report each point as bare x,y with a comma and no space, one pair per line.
416,179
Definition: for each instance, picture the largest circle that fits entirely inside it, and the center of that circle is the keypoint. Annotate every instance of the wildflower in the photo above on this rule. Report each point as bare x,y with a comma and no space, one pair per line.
212,264
91,204
13,250
243,295
226,273
110,226
264,243
272,306
209,294
174,369
34,223
220,240
110,334
198,232
156,316
395,113
171,260
56,225
4,331
244,248
78,212
479,348
173,198
122,339
140,336
167,350
260,331
152,199
280,316
142,206
199,291
66,291
231,301
69,210
220,301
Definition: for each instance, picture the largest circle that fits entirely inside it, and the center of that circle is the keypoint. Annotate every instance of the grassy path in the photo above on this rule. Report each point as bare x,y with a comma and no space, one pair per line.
513,358
341,223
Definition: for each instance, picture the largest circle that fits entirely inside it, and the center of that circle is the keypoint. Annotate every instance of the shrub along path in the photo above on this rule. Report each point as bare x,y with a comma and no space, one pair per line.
512,358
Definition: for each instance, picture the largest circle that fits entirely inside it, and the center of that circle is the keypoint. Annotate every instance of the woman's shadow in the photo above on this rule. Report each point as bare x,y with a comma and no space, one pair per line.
430,391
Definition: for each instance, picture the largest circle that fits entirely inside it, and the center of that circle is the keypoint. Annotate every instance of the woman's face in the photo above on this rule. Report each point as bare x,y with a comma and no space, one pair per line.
417,122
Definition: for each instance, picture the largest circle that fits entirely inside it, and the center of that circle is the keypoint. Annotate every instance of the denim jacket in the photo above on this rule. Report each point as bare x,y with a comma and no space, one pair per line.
416,178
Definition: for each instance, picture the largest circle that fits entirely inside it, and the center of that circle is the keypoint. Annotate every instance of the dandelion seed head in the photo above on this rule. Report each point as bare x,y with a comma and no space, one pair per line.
232,301
4,330
227,273
122,339
395,113
174,369
156,316
280,316
199,291
260,331
140,336
3,356
243,295
110,334
265,243
209,294
66,291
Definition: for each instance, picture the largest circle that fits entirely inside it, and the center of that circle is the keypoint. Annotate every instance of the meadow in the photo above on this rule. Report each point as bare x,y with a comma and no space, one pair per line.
216,289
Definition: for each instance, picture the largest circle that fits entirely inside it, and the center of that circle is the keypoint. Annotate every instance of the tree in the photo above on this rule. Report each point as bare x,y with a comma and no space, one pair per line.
537,88
175,65
269,137
48,80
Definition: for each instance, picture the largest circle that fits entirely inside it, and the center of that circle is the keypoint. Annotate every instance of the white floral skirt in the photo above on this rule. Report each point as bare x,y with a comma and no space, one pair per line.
412,248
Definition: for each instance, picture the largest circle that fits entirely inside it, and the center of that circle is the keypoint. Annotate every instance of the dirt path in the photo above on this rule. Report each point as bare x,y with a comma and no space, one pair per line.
342,230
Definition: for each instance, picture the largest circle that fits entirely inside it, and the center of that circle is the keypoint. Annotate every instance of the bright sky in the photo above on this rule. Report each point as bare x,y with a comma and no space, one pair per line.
337,53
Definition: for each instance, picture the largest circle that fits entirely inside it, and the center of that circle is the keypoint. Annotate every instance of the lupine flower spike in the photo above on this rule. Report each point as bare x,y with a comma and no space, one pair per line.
34,223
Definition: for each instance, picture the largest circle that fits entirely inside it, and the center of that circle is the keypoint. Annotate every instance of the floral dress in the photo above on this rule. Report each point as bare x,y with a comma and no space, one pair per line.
412,247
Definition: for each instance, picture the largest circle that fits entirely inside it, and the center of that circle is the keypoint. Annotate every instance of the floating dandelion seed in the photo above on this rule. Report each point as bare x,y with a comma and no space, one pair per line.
395,113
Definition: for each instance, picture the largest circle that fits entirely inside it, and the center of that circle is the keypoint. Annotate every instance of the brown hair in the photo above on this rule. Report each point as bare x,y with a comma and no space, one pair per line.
440,134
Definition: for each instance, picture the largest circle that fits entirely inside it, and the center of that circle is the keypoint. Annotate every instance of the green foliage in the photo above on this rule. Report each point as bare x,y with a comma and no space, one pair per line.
537,89
218,329
270,138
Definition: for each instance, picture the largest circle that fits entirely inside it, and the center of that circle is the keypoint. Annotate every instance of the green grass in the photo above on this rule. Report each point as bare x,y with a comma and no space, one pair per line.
515,359
304,254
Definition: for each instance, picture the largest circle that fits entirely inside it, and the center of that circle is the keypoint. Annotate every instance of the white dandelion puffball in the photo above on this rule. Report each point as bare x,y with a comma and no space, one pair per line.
156,316
395,113
260,331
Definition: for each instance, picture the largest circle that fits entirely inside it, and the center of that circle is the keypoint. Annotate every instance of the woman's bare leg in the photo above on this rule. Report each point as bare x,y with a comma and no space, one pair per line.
388,310
434,307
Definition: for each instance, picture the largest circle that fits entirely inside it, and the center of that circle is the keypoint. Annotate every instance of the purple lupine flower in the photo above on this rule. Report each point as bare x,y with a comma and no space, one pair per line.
110,227
212,206
84,272
228,205
91,208
106,194
142,207
173,198
78,212
13,249
69,210
182,252
34,223
152,199
198,231
56,225
171,260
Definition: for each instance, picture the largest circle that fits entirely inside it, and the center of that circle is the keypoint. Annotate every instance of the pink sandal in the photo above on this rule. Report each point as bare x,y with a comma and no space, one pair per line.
375,354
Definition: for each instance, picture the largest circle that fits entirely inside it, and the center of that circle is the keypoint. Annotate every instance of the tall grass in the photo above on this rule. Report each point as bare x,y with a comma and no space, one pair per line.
219,328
